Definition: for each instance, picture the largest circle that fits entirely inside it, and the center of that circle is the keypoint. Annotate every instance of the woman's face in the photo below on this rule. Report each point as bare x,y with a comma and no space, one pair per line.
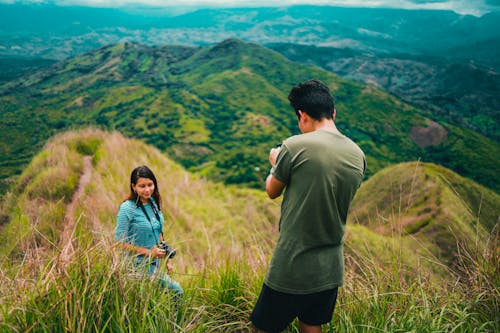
144,188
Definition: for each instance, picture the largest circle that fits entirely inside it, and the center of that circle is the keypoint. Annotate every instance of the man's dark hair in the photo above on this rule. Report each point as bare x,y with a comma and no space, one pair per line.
314,98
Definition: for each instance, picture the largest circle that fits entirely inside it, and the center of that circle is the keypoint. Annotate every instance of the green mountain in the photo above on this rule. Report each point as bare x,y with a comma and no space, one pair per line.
462,93
219,109
14,67
52,31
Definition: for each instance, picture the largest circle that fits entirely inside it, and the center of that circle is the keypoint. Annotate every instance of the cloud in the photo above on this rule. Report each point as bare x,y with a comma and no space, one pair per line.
474,7
429,1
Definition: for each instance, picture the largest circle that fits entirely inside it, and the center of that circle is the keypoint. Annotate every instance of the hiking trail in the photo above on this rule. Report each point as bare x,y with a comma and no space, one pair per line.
70,220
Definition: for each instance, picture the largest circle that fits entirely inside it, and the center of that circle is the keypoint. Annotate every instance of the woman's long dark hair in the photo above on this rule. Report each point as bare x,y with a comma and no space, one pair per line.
144,172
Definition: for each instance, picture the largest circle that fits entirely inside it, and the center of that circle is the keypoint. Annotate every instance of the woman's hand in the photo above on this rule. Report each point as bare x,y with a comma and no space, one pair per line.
156,252
170,266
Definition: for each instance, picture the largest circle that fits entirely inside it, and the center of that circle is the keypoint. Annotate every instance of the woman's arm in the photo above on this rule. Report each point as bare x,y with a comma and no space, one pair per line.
154,252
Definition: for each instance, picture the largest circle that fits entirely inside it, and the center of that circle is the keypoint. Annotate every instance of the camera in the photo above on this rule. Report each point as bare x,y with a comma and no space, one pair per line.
170,252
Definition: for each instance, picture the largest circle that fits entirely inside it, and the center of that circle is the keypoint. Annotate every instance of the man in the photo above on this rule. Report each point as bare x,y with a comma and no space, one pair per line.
321,170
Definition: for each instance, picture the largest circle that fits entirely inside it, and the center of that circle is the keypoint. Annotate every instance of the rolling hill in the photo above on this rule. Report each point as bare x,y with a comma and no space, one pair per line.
423,207
395,254
428,203
202,218
218,109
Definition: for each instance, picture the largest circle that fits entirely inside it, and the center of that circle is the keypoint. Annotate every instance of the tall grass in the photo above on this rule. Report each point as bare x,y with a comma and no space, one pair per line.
37,202
401,299
97,293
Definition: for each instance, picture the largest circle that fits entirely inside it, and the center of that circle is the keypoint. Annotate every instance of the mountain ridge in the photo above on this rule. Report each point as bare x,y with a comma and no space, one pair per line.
376,29
429,203
224,236
463,93
217,110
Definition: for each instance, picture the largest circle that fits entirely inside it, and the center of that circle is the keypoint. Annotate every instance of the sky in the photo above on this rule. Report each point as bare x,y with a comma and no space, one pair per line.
473,7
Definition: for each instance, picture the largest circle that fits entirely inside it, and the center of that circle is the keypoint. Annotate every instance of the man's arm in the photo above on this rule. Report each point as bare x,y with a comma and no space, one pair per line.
274,187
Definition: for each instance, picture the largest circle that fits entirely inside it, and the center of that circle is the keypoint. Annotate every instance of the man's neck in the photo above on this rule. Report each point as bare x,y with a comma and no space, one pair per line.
325,124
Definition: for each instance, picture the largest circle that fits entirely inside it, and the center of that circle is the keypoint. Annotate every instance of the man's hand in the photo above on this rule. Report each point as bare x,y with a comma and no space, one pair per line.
274,187
273,155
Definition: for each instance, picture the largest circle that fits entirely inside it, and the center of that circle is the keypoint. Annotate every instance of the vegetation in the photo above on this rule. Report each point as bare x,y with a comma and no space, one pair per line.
434,84
96,293
36,214
14,67
218,110
50,31
224,236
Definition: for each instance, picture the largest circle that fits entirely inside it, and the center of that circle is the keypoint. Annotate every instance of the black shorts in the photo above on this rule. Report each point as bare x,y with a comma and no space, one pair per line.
275,310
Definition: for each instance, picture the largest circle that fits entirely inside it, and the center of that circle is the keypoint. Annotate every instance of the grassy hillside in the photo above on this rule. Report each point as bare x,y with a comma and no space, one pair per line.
218,110
224,236
199,214
430,204
204,219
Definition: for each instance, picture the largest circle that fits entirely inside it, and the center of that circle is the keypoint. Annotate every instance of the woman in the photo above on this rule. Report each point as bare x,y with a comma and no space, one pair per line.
139,226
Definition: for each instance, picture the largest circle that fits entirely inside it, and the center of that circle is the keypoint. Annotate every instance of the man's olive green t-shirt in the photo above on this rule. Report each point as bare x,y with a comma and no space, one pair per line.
322,171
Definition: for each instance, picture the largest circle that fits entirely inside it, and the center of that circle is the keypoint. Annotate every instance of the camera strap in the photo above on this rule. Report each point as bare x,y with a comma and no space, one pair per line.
155,211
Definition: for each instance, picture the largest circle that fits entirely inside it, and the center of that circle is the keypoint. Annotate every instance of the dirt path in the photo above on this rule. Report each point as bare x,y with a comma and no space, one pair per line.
67,236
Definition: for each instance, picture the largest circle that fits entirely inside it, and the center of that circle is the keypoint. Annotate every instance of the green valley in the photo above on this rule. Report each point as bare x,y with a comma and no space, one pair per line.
218,110
464,93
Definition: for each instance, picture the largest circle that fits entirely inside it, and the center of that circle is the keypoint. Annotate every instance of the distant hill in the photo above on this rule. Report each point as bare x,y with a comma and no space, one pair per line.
428,203
462,93
51,31
14,67
218,110
406,209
